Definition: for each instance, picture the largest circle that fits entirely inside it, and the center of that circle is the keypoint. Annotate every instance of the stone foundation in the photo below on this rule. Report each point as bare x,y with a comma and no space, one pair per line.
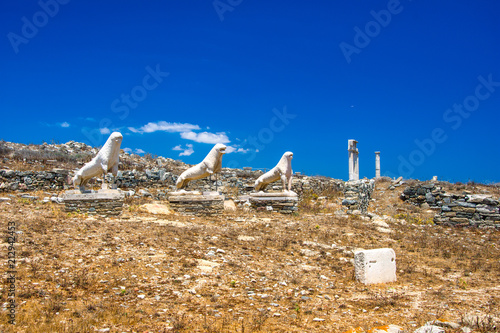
285,203
197,203
102,202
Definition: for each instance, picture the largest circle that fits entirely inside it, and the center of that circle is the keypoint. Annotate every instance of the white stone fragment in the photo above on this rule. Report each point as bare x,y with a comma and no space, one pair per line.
429,329
375,266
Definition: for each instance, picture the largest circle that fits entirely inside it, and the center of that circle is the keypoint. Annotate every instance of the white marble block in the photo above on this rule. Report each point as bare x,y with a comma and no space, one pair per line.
375,266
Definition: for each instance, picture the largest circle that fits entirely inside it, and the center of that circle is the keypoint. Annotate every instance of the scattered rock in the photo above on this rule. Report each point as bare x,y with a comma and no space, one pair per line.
309,253
430,329
229,205
246,238
155,209
206,266
144,193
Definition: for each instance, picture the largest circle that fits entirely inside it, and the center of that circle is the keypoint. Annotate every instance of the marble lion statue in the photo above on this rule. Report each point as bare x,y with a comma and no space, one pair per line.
106,160
283,171
211,164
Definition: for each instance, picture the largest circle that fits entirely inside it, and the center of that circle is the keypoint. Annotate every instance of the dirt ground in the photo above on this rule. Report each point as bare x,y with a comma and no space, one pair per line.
242,271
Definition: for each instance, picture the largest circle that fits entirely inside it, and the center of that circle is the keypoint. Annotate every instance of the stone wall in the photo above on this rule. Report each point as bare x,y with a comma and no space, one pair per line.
425,195
455,209
357,195
56,179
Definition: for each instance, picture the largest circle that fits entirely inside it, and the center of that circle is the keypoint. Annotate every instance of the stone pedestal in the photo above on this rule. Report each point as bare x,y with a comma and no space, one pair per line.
196,203
282,202
103,202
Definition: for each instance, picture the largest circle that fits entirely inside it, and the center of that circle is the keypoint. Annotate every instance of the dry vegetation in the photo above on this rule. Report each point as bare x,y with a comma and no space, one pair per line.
150,273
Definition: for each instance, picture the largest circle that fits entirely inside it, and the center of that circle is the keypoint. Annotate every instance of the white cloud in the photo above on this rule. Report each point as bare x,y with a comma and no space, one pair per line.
185,151
136,150
104,130
236,149
206,137
65,124
186,130
164,126
230,149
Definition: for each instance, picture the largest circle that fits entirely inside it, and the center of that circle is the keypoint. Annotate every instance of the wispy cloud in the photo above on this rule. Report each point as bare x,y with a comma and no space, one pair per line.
63,124
87,119
236,149
104,130
185,151
186,130
136,150
165,126
206,137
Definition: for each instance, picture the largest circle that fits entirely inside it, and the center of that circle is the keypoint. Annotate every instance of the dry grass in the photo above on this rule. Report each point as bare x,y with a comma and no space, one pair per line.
141,273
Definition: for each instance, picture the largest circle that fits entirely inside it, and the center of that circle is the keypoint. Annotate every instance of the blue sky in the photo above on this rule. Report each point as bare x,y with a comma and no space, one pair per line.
417,80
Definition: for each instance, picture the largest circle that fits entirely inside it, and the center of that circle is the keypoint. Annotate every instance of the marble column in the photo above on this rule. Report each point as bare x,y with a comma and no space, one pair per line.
377,164
353,160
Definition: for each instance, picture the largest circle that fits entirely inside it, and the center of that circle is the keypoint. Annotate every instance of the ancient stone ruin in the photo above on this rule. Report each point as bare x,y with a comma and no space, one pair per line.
353,160
196,202
377,164
357,195
105,202
286,200
454,208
